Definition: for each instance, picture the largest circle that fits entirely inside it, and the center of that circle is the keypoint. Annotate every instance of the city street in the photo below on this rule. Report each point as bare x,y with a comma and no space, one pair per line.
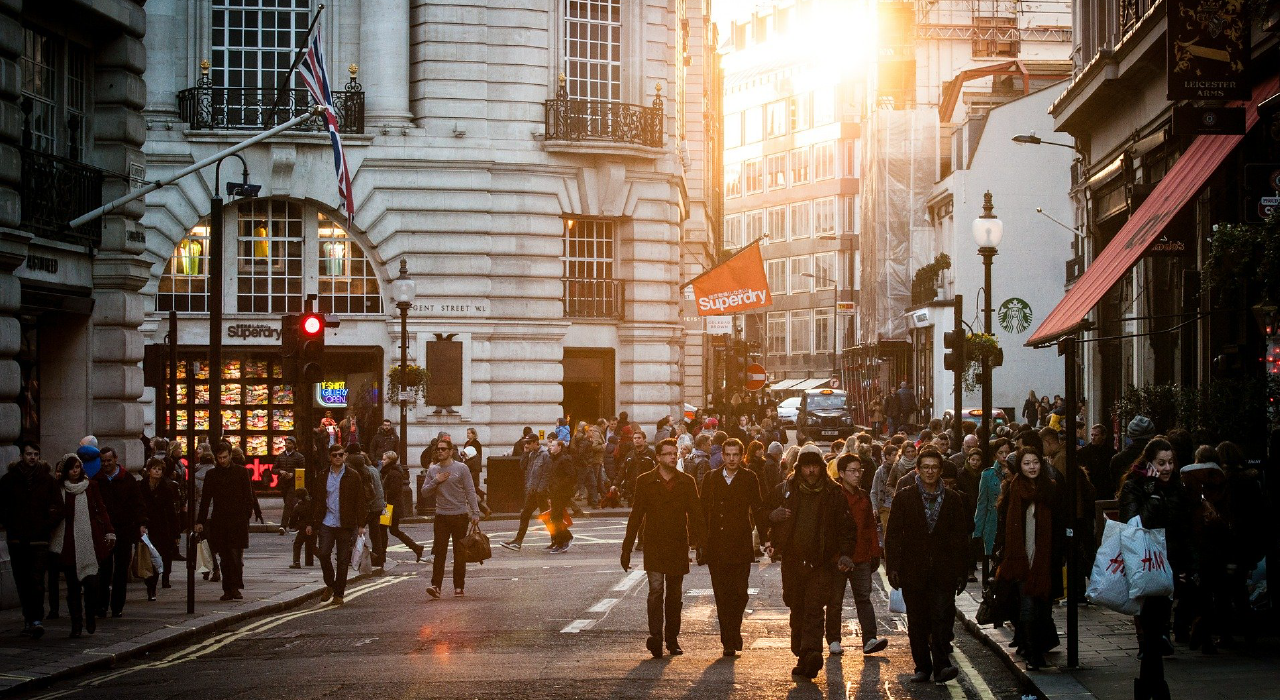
532,625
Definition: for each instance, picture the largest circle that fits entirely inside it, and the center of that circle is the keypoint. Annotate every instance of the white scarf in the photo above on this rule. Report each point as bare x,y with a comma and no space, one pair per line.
86,555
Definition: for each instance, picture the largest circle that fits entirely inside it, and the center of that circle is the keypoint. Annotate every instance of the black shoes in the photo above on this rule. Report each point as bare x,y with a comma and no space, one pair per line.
654,646
419,552
675,650
920,677
946,673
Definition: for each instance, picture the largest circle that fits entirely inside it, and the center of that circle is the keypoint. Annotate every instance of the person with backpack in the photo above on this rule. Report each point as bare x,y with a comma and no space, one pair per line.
699,461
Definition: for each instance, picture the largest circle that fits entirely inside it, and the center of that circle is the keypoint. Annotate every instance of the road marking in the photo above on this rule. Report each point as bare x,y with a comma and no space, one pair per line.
708,591
577,626
968,669
55,694
603,606
629,581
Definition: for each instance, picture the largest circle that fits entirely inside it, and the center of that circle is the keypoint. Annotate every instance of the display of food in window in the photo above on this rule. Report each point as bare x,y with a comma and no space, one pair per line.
277,444
256,394
202,419
202,394
182,419
231,369
282,394
256,419
182,370
277,372
182,394
255,369
231,394
282,419
233,439
255,445
230,419
202,369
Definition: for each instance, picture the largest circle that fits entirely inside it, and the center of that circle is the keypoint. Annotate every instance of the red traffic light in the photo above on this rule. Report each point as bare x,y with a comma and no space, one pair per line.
312,325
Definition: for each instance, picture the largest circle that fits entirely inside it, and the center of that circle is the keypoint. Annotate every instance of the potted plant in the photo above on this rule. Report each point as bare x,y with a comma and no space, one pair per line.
976,347
415,382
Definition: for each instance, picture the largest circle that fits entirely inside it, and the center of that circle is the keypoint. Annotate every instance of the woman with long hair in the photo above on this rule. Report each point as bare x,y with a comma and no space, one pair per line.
1025,546
1030,408
80,540
1152,489
159,498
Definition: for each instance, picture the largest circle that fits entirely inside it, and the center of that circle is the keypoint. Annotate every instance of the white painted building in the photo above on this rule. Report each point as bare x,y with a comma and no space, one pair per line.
542,217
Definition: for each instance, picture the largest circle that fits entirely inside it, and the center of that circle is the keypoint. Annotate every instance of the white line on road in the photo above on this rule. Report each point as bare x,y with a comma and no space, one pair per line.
967,668
630,580
603,606
577,626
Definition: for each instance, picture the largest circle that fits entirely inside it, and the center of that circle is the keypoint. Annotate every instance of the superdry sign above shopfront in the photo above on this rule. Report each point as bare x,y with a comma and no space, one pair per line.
738,284
253,330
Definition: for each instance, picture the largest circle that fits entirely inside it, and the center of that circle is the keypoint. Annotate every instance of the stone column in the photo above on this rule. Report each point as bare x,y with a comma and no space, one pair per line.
167,52
119,269
13,243
384,61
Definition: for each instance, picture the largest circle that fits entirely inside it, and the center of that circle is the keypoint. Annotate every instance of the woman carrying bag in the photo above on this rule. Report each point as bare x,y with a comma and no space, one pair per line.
80,540
158,497
1026,515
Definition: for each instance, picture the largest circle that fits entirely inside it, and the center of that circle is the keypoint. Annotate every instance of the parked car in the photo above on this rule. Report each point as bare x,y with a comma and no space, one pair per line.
787,411
824,415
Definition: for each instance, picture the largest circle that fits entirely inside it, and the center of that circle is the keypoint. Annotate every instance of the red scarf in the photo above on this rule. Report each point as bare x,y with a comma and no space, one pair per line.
1015,567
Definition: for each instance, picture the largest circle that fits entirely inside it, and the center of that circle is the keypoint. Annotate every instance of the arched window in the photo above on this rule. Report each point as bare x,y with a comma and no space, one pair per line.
184,285
276,241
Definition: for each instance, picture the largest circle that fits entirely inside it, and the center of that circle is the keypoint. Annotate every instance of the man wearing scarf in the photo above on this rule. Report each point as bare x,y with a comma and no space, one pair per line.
925,552
813,534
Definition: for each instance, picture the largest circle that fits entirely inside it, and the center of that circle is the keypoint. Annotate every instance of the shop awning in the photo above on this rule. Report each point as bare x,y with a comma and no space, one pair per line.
784,384
811,384
1171,194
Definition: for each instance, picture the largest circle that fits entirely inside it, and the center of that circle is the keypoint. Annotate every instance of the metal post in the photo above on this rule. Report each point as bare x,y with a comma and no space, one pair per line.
404,363
1073,490
987,424
192,457
957,420
172,389
215,312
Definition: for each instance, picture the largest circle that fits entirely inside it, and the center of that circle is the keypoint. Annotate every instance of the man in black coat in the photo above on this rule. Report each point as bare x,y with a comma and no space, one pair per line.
812,533
286,468
227,488
385,440
338,517
730,497
926,557
30,506
123,498
666,507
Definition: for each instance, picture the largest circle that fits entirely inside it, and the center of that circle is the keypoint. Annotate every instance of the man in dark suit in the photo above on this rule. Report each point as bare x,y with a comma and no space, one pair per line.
730,496
926,556
123,497
226,503
666,507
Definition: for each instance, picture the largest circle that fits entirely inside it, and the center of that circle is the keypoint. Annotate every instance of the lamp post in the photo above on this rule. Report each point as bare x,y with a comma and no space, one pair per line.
987,232
403,290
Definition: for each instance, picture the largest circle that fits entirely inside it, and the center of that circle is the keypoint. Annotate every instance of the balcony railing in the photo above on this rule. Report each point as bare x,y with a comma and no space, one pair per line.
595,120
209,107
1075,268
1132,12
593,298
56,190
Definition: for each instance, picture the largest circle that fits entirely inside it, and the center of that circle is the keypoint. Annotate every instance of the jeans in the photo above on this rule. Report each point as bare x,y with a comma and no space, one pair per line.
1035,622
28,562
378,538
560,534
232,559
344,538
805,590
665,601
53,565
301,539
729,585
859,578
532,502
588,481
446,527
399,534
113,576
931,614
287,515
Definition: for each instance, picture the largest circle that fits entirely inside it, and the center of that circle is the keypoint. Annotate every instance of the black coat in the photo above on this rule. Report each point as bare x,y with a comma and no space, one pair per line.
123,497
563,475
918,557
1160,505
383,442
729,509
161,505
352,508
837,534
287,466
30,503
672,521
231,494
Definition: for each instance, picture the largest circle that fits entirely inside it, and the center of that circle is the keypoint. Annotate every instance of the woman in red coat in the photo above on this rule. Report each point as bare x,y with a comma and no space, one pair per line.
1025,547
82,538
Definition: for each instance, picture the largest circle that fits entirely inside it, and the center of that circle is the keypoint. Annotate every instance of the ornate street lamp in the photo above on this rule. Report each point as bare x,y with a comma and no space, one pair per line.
404,290
987,232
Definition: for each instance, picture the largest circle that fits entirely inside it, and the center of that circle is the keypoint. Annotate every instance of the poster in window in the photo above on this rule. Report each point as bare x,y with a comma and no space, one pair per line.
230,394
230,419
256,445
1208,50
282,395
231,369
202,420
255,369
256,419
277,444
255,394
282,419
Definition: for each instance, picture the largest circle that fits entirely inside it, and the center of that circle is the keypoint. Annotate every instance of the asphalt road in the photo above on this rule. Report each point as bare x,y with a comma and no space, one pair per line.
532,625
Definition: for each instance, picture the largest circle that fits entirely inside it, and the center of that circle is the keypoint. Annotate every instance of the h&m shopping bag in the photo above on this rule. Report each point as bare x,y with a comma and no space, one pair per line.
362,555
1146,560
1108,585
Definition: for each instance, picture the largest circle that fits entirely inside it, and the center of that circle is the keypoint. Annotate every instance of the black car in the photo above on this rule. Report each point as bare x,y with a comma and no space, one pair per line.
824,416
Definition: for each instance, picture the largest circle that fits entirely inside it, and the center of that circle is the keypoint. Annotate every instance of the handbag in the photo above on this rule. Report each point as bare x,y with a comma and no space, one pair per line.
141,566
385,518
896,603
362,555
988,610
474,548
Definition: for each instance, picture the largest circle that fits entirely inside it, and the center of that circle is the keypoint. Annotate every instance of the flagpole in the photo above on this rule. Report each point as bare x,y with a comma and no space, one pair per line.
297,58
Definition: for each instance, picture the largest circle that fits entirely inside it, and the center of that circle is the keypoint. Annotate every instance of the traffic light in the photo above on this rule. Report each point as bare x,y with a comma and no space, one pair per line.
310,347
953,360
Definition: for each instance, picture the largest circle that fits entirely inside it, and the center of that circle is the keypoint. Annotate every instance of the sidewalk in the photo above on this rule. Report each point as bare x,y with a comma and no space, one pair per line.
1109,660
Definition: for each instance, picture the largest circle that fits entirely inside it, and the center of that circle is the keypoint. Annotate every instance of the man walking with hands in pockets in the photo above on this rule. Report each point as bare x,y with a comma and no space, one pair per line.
449,483
338,517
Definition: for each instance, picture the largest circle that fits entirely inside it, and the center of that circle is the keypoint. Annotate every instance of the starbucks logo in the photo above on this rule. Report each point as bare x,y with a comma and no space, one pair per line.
1015,315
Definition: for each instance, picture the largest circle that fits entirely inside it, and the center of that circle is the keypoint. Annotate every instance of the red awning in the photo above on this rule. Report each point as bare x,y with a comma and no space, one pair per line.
1171,194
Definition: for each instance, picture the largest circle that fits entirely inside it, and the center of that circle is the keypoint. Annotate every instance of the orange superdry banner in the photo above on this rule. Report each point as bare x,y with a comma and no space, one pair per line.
737,284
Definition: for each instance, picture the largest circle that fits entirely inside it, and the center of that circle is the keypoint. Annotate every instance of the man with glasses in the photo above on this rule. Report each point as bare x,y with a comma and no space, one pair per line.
666,507
339,514
925,554
449,483
730,496
866,559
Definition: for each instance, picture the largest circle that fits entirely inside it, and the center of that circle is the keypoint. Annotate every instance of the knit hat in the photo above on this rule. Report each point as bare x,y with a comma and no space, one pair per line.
1141,427
814,458
811,449
775,448
89,457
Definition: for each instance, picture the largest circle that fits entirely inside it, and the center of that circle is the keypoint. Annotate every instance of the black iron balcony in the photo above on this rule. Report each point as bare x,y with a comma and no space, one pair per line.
56,190
209,107
1132,12
593,298
596,120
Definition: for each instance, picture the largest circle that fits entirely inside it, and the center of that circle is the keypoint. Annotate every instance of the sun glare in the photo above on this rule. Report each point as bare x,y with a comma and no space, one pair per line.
838,41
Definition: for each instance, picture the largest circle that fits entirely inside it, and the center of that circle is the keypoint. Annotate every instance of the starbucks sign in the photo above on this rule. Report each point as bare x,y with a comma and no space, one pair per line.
1015,315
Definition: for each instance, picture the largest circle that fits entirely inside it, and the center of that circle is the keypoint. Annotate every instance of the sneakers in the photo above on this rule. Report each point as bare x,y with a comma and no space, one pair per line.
835,648
556,550
433,591
282,532
946,673
326,594
920,677
457,593
512,545
37,630
874,645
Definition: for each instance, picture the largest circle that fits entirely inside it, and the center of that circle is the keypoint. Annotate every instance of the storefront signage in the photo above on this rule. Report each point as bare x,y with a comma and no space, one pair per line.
453,308
261,472
1208,50
332,394
253,330
1015,315
40,263
719,325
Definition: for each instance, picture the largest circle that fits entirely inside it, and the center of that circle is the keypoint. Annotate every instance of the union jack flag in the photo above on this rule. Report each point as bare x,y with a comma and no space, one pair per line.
316,79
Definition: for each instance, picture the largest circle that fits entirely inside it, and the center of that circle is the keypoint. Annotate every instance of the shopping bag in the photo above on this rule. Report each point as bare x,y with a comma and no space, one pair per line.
156,560
545,517
204,558
474,548
1146,560
385,518
1108,585
362,555
141,566
896,603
